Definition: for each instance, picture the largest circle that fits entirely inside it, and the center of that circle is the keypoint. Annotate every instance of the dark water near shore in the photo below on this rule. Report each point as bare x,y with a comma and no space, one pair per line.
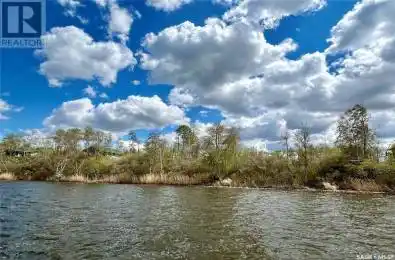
75,221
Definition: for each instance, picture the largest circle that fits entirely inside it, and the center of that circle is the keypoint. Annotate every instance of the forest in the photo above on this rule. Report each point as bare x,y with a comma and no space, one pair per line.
356,161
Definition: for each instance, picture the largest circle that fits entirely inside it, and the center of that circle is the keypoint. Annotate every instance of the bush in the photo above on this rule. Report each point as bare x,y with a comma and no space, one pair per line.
94,167
332,168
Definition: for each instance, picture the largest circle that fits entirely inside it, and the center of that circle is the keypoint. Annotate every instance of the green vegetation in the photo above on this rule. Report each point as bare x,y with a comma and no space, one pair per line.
354,162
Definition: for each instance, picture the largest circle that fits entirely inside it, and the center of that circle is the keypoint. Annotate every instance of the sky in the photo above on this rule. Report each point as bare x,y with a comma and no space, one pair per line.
263,66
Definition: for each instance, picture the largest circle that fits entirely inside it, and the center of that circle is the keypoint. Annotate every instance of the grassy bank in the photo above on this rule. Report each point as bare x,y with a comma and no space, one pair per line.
354,162
250,169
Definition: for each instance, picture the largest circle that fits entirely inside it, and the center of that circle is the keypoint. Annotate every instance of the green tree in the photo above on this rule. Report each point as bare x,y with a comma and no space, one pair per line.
73,138
217,135
88,136
354,136
68,140
13,142
188,138
231,140
133,140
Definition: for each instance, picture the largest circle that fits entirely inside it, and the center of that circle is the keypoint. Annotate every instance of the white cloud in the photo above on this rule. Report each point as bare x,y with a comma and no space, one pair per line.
120,22
167,5
370,20
270,12
136,82
201,129
69,2
202,57
135,112
104,3
119,19
90,92
366,73
170,138
225,2
103,96
228,65
70,53
126,145
256,144
70,5
179,97
199,62
5,107
39,137
18,109
259,90
203,113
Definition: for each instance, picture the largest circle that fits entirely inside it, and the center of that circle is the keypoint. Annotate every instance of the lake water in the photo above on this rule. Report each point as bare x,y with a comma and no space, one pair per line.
76,221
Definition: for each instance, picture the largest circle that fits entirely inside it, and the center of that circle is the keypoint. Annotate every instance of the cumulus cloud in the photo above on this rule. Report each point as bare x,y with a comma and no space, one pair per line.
167,5
198,61
170,138
90,92
366,72
369,21
269,12
135,112
256,144
69,53
199,58
126,145
227,64
180,97
261,91
120,22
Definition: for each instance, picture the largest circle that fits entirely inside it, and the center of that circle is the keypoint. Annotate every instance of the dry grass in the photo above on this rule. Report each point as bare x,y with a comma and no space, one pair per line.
75,178
169,179
7,177
84,179
365,185
144,179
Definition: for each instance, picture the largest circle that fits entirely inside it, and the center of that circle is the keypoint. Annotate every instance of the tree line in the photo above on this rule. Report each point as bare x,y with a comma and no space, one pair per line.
353,159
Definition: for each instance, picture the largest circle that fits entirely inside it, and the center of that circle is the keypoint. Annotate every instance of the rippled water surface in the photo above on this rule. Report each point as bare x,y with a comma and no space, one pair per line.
75,221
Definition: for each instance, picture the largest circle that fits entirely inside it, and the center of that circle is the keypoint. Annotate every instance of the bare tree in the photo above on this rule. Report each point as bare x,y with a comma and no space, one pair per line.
285,137
303,143
155,150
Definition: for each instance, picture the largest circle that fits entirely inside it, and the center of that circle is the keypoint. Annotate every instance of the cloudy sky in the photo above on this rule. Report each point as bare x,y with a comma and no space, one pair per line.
260,65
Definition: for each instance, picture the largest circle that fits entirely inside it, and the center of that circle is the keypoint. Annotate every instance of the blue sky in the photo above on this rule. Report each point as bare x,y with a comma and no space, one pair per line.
267,77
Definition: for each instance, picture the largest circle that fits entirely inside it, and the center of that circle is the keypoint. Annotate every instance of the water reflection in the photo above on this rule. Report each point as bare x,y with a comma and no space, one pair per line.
68,221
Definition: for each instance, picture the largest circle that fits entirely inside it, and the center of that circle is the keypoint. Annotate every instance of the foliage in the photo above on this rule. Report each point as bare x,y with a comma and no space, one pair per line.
354,136
86,155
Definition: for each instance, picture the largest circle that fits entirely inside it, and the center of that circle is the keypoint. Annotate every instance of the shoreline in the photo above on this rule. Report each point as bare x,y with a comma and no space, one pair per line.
12,178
